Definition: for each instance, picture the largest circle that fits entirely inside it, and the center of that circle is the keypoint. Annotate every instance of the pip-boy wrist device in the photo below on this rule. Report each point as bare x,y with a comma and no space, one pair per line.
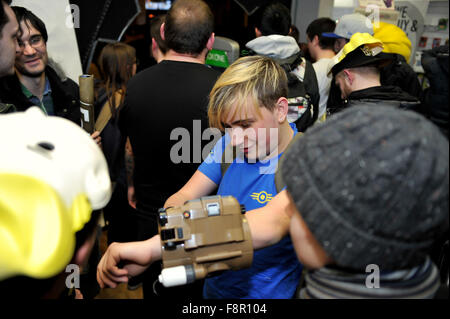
203,237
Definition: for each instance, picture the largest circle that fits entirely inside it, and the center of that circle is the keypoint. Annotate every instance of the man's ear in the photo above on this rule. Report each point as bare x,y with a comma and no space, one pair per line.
282,109
210,43
257,33
315,40
161,31
349,76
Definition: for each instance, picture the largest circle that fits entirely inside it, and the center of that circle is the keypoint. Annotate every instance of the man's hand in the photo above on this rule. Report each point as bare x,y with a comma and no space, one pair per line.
131,197
136,256
129,167
97,138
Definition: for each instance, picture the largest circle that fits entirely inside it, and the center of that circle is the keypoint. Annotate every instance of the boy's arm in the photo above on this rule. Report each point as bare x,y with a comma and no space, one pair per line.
129,166
136,257
269,224
199,185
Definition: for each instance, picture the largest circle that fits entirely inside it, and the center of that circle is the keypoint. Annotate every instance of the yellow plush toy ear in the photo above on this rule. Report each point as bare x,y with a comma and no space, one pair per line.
37,231
394,39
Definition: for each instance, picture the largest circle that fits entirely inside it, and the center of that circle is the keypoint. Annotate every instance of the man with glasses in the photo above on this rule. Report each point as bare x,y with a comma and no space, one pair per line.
35,82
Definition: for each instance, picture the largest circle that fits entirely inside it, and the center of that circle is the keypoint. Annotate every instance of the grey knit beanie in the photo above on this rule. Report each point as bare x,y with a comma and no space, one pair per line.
371,183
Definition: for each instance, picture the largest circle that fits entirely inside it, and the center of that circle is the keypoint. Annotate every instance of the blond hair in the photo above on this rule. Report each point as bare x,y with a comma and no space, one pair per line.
257,77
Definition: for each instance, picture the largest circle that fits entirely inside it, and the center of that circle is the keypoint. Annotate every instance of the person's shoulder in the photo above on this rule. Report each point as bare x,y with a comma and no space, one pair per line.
212,72
144,75
56,76
6,108
11,93
321,66
209,74
7,82
71,83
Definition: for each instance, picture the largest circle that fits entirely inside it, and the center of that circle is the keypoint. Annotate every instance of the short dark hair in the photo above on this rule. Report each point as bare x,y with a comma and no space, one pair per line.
273,18
189,24
155,27
293,32
30,18
319,26
3,17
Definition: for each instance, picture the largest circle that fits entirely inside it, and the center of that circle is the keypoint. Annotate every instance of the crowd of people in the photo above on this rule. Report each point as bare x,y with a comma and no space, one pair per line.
354,155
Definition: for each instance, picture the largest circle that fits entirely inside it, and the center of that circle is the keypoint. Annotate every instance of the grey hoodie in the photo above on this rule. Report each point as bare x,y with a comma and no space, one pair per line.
277,47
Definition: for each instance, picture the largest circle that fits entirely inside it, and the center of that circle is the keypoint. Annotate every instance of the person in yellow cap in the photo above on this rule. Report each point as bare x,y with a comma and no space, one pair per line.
395,44
356,71
49,186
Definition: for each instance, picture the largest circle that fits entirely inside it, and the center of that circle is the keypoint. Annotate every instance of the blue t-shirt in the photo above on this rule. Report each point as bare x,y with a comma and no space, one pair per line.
275,271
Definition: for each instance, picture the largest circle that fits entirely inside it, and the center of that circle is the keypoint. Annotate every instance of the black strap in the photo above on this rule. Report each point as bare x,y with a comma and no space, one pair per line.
312,88
224,164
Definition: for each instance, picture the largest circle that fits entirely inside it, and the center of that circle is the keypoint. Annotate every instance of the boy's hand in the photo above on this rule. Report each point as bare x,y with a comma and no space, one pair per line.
97,138
136,256
131,197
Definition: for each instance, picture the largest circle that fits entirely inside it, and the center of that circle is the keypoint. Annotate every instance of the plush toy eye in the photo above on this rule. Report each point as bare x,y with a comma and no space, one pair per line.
47,146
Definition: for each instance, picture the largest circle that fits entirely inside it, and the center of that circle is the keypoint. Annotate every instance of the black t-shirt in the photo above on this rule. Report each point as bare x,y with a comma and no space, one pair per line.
162,100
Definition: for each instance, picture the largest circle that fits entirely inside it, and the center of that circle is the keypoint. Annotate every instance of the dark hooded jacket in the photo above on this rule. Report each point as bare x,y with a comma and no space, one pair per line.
435,98
398,73
386,95
65,95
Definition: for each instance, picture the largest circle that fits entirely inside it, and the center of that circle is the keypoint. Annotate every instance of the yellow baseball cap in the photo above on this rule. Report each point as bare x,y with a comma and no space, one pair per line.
362,50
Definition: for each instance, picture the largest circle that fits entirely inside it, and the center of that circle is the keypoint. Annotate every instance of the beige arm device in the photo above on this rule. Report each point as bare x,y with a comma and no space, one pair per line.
203,237
86,82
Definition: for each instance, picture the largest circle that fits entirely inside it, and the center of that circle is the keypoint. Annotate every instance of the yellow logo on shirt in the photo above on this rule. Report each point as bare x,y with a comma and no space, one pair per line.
262,197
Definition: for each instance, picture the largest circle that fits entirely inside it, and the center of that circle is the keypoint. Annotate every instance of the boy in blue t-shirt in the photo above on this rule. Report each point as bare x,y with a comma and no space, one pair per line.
249,102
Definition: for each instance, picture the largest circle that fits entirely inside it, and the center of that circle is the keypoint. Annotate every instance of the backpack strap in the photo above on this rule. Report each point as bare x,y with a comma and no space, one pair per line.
105,114
299,86
279,183
224,164
312,87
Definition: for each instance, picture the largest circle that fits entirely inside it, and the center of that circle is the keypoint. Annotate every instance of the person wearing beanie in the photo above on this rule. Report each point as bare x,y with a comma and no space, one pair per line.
356,71
369,196
396,45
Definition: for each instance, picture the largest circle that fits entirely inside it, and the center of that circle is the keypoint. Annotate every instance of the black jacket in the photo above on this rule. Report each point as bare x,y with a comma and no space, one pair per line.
383,95
401,74
65,95
435,98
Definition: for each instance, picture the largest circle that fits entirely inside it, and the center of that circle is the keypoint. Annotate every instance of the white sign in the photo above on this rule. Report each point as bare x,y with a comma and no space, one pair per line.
382,4
411,20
